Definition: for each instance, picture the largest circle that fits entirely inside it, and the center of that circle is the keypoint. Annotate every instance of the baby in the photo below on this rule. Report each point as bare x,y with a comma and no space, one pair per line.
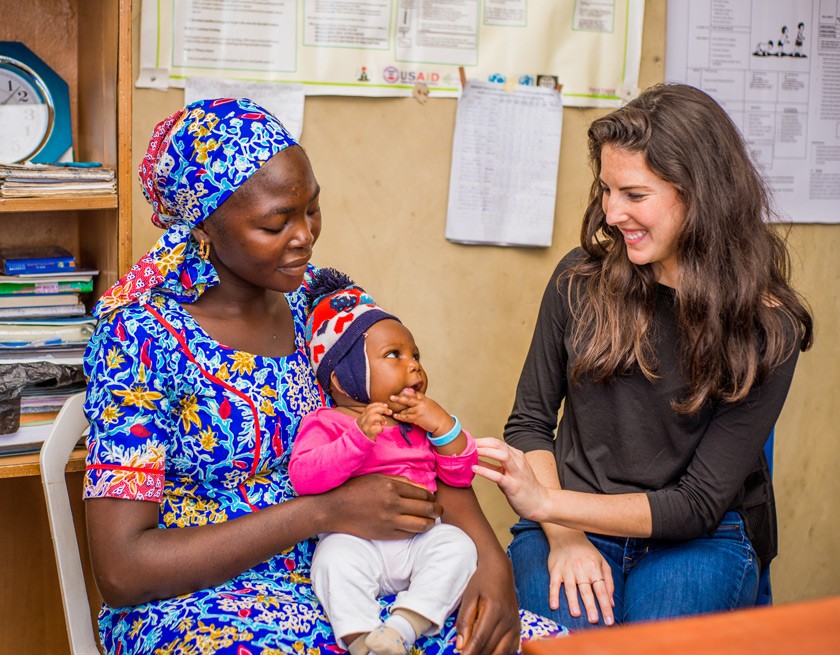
382,423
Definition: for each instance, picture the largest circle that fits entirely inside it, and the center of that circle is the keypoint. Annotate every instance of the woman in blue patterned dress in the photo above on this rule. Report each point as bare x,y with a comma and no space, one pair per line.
198,378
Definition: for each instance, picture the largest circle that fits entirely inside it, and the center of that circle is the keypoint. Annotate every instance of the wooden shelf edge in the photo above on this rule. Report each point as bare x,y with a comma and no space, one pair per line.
58,203
20,466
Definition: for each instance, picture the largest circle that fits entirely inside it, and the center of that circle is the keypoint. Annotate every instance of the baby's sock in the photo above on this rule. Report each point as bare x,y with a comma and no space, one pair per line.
398,634
358,645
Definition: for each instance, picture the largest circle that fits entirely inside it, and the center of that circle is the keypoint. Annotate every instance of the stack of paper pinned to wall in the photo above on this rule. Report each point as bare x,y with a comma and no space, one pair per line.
505,157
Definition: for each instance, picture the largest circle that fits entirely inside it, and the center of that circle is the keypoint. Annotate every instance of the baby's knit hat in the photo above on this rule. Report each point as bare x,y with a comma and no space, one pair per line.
340,313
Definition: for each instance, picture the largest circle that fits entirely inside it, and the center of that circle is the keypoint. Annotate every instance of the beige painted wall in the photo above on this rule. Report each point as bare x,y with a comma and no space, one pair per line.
383,165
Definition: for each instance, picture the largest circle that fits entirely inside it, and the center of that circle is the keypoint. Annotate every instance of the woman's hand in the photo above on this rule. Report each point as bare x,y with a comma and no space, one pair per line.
575,564
488,619
379,507
515,477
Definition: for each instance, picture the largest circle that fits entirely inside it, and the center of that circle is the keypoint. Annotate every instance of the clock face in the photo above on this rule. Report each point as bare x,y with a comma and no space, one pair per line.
25,113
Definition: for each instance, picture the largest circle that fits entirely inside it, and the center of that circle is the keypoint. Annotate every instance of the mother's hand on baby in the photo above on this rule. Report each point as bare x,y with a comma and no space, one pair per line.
379,507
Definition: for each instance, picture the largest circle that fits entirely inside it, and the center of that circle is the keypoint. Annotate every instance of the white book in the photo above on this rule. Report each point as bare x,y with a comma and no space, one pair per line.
40,300
27,439
76,274
73,330
39,312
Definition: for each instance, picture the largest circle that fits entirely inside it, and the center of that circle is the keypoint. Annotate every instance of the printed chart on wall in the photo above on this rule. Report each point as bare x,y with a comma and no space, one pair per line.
505,156
388,47
774,65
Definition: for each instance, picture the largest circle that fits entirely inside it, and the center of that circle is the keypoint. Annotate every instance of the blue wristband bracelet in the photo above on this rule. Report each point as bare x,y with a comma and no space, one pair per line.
448,437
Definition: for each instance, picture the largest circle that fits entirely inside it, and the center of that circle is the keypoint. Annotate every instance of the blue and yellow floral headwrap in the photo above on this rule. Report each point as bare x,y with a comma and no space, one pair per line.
196,159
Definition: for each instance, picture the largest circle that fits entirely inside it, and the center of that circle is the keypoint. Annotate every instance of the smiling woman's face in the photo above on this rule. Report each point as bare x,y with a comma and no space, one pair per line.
263,233
645,208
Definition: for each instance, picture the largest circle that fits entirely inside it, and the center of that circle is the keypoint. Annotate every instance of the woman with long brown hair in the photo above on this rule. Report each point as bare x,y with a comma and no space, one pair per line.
670,338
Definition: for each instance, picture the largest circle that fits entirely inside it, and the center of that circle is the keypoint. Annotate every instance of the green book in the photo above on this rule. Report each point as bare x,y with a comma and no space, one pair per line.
45,283
37,288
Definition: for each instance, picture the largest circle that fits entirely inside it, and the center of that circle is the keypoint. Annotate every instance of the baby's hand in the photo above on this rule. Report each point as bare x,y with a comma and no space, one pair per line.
422,411
372,420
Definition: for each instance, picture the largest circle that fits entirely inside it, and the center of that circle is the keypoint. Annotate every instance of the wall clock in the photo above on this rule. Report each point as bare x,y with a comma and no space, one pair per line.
34,109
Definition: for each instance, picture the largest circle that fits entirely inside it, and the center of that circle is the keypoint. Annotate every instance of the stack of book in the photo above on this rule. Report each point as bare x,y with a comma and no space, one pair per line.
42,316
59,341
42,319
38,409
45,180
41,282
56,340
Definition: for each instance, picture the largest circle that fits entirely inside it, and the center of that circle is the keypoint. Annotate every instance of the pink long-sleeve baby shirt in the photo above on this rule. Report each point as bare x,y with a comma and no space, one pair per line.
330,448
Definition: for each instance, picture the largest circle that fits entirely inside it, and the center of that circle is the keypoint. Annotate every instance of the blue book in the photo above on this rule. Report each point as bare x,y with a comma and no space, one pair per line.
44,259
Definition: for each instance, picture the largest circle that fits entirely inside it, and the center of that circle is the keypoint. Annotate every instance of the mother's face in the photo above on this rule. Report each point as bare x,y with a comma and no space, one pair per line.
263,234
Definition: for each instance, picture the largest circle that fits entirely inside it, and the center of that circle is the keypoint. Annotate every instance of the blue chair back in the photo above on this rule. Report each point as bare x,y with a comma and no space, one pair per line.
765,591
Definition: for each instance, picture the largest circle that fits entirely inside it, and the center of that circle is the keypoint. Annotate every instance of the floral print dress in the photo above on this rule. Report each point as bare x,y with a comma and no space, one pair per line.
206,431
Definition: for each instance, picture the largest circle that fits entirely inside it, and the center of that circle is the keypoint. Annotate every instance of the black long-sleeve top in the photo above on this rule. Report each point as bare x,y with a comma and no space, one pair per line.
622,436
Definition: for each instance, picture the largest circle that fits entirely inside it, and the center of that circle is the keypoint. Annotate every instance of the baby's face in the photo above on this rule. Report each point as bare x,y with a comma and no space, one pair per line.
394,361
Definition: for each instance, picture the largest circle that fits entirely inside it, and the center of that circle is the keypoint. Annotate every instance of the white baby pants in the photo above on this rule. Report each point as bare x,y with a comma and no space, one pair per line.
428,573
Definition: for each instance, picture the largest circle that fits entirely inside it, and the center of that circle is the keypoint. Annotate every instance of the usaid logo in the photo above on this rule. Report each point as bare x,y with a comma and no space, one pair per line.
393,75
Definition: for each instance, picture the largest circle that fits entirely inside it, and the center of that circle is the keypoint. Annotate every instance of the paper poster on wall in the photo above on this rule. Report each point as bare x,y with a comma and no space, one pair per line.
283,100
505,156
387,47
774,66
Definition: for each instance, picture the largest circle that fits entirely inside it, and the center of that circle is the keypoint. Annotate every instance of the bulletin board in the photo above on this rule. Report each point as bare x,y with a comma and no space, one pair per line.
380,48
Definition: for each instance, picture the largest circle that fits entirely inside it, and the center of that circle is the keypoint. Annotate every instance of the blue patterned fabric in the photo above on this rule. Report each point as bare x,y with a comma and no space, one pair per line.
195,160
206,431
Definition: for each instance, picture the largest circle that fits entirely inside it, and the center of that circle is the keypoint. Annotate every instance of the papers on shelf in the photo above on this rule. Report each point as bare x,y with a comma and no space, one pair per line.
68,354
44,180
40,300
53,173
505,155
19,334
56,311
41,404
76,281
37,190
28,439
76,273
59,341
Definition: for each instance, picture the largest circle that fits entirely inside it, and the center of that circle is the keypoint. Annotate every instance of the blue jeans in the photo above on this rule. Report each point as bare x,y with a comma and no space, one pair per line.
653,579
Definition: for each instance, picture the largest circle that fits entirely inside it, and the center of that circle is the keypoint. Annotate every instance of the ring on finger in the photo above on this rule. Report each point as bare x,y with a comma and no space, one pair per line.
598,580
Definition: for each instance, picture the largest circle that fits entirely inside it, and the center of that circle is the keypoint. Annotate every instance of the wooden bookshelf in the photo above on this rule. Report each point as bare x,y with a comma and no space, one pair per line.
88,43
58,203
